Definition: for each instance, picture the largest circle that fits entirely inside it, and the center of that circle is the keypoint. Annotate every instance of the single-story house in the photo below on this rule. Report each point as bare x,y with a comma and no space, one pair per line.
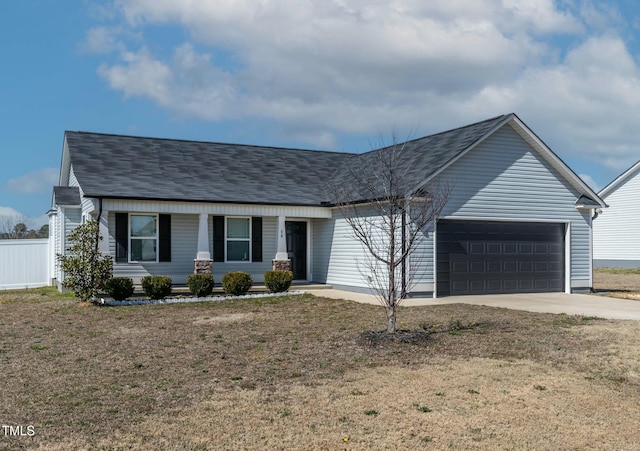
518,219
616,232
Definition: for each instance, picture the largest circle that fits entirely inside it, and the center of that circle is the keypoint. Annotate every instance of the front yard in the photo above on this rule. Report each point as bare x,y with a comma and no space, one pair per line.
297,373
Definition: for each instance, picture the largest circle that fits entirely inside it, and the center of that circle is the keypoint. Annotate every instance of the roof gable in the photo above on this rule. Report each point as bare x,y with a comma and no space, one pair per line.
420,159
513,121
554,160
620,180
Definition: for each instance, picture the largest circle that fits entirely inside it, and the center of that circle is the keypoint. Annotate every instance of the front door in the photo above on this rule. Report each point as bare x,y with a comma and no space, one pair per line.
297,248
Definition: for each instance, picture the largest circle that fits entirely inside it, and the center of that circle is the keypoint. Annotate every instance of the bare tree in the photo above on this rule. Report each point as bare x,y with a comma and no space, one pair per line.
13,226
390,215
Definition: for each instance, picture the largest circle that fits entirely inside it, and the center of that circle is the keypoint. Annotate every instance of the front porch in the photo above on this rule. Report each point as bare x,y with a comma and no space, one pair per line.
211,238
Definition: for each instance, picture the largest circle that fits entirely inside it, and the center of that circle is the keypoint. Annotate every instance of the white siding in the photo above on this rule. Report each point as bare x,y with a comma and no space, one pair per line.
343,261
52,260
504,179
215,209
87,203
72,219
322,245
616,231
24,263
421,265
69,218
73,181
56,236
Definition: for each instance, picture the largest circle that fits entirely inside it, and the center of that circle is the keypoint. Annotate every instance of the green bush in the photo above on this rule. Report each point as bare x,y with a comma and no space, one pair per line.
236,283
200,285
278,281
84,266
156,287
119,288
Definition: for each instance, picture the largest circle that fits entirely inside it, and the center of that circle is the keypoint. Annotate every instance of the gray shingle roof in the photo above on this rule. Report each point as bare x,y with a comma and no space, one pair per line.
150,168
66,195
420,158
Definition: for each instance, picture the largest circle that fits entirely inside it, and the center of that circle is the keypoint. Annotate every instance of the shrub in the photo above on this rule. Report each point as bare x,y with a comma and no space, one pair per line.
236,283
200,285
119,288
156,287
278,281
85,268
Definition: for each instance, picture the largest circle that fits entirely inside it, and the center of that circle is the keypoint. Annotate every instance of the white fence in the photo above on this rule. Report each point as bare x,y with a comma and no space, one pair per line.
24,263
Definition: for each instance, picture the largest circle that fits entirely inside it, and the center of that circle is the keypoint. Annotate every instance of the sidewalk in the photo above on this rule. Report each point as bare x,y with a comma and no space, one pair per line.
571,304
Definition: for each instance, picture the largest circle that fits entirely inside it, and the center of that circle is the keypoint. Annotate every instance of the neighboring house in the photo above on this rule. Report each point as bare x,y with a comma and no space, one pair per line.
517,219
616,232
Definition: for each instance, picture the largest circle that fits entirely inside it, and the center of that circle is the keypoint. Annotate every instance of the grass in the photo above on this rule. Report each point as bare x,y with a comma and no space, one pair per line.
34,295
635,271
617,282
302,372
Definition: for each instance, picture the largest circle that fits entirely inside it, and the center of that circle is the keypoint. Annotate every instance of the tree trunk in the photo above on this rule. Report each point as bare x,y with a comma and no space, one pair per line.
391,319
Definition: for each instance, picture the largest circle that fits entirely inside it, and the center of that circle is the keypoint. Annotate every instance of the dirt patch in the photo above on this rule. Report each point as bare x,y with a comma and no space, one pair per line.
372,338
229,318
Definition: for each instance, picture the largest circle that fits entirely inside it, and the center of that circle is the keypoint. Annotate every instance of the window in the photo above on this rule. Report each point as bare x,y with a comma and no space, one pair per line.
143,237
238,239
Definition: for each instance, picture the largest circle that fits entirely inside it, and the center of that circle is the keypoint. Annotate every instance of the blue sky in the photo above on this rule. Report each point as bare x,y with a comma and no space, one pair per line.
323,74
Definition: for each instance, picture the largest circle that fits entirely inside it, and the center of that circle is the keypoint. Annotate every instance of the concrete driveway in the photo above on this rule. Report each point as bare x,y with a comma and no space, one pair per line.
571,304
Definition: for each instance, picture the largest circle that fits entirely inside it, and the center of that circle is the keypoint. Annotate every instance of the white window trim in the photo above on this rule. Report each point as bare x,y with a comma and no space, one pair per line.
227,239
157,237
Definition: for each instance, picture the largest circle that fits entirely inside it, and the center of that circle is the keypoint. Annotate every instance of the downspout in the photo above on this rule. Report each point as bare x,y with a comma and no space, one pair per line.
98,221
596,213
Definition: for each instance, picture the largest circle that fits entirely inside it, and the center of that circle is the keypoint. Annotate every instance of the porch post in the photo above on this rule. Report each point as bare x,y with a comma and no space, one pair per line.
202,262
103,225
282,261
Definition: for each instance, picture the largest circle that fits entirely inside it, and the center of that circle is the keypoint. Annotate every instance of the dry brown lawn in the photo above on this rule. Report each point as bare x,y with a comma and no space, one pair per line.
298,373
617,282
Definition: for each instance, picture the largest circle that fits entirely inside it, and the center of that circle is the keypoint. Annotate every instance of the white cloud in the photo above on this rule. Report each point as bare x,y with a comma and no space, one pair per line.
102,40
587,104
36,222
324,67
140,75
8,212
321,68
9,217
188,83
541,16
39,181
589,181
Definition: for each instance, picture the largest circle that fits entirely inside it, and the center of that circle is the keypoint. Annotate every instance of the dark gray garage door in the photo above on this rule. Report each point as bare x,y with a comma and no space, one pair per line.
499,257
